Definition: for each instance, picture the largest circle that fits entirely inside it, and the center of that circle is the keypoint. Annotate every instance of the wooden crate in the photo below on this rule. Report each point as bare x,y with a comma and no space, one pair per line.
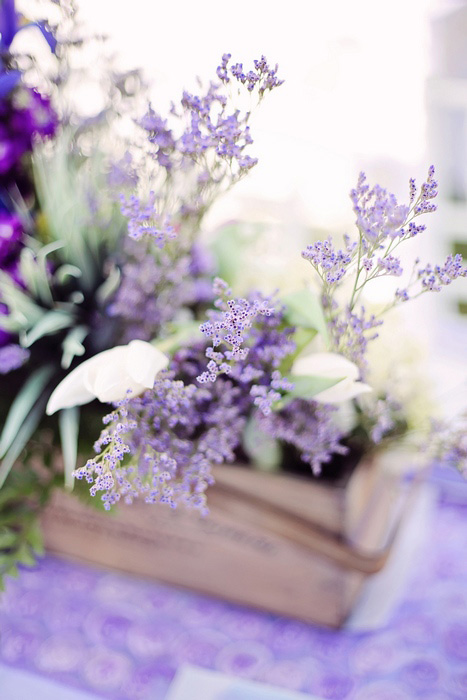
285,544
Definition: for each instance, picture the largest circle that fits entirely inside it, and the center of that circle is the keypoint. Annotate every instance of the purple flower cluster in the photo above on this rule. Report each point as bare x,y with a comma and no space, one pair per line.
379,216
211,127
330,264
448,442
229,326
144,220
197,151
161,446
434,278
160,136
12,356
351,332
382,225
431,278
262,77
11,236
24,116
156,286
382,420
309,427
205,136
11,233
390,265
429,191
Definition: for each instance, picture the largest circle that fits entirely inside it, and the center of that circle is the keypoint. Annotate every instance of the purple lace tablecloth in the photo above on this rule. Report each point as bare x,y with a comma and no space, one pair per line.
122,638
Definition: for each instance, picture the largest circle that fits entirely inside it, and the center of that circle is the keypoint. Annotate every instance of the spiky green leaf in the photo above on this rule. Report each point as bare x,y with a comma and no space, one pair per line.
73,345
26,430
19,302
68,421
109,287
22,404
51,322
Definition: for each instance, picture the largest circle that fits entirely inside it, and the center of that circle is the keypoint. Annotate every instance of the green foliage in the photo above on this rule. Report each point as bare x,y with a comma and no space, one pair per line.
25,432
65,183
303,309
21,499
306,387
264,451
22,405
229,249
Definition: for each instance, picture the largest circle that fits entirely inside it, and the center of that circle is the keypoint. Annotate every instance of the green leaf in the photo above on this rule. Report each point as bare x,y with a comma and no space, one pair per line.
13,322
8,538
22,436
263,450
22,404
182,335
305,387
19,302
303,309
28,268
12,571
47,249
73,345
302,338
227,249
24,555
50,323
35,538
109,287
67,270
68,421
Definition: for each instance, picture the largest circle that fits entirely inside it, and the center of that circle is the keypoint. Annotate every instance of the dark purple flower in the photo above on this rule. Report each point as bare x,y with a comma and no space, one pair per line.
12,356
32,115
10,234
13,270
10,151
5,337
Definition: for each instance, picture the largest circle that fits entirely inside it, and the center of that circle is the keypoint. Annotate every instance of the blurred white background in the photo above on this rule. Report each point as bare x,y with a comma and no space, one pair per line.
359,93
353,96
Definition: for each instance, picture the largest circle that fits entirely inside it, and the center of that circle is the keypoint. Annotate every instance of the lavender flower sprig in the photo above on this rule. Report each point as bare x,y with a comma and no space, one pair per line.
228,327
197,152
382,224
199,149
447,442
161,446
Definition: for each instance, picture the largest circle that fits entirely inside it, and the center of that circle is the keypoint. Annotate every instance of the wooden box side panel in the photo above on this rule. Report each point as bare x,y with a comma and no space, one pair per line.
319,504
220,555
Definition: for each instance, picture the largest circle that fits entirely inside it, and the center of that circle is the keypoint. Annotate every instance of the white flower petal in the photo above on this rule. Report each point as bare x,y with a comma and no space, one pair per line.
325,364
343,391
333,366
109,375
110,380
144,362
70,392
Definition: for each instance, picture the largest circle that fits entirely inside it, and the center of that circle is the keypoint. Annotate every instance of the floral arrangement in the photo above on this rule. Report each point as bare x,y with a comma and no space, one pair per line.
108,295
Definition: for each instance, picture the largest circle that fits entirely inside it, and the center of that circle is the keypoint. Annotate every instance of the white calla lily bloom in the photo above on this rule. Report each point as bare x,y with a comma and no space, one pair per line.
109,375
332,365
